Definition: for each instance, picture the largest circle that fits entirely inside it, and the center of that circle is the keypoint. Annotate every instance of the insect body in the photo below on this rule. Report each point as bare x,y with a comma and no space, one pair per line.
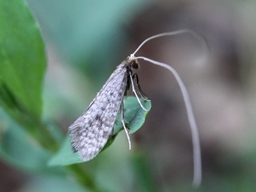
90,132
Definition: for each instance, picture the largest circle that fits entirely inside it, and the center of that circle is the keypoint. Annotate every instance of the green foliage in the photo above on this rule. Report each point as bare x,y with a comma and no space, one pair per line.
25,140
22,64
28,143
22,55
134,115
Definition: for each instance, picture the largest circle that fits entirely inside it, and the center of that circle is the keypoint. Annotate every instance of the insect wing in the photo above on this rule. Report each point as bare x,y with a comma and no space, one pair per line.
90,132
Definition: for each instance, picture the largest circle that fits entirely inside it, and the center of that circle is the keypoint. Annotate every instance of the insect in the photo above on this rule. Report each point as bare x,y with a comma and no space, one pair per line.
91,131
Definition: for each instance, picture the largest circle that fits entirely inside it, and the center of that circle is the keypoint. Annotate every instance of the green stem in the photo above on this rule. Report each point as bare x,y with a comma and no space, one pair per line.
83,177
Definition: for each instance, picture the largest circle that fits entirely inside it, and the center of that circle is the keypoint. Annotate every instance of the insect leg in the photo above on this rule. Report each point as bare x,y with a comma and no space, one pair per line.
142,94
123,122
134,91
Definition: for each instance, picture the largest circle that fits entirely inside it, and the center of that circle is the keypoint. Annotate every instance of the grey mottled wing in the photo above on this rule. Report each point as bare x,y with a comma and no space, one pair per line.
90,132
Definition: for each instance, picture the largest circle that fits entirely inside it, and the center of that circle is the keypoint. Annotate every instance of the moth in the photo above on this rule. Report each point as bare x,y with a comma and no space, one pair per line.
91,131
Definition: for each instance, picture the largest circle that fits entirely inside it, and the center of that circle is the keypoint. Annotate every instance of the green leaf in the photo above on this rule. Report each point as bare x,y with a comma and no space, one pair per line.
134,116
22,67
22,54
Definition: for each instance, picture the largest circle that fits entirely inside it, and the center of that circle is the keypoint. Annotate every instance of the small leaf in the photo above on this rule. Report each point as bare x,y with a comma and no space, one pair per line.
134,116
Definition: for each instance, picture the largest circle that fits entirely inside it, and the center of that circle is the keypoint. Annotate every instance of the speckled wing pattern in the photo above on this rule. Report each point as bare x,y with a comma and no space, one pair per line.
90,132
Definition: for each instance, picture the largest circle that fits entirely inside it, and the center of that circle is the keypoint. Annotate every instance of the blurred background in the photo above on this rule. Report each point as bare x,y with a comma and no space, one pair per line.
86,40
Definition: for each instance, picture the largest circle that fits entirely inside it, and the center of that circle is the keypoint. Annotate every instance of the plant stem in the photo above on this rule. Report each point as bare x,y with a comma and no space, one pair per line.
83,177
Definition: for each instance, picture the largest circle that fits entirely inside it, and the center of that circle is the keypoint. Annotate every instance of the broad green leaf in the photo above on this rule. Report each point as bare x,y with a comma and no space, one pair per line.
22,67
134,116
22,54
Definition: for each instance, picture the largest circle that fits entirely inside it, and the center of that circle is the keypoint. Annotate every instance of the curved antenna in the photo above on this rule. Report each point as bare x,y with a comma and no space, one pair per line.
194,130
197,36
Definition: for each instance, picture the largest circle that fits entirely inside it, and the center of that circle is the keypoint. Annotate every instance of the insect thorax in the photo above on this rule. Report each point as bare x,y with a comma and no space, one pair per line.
132,63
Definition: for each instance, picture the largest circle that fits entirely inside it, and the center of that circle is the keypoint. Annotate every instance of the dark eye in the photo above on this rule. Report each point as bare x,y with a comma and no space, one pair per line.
135,65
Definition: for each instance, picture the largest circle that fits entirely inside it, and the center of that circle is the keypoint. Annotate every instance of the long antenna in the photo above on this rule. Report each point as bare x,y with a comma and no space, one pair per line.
194,130
197,36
